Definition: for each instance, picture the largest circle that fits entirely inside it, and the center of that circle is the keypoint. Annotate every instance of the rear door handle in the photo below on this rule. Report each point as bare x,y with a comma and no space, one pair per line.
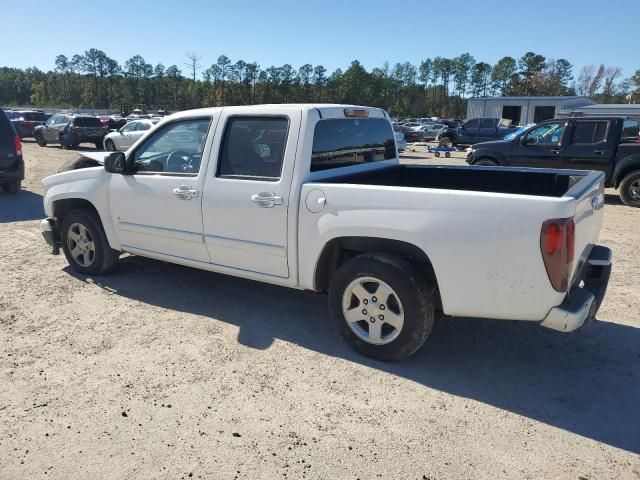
599,152
185,192
266,199
555,152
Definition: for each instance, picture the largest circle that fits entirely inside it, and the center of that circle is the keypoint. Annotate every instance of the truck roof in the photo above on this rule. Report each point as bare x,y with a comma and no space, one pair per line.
326,110
601,117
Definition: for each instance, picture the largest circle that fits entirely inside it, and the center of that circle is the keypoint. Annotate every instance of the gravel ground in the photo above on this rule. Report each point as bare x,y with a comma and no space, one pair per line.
161,371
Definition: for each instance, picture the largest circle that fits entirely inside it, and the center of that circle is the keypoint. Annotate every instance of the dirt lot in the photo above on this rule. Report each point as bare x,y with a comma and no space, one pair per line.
161,371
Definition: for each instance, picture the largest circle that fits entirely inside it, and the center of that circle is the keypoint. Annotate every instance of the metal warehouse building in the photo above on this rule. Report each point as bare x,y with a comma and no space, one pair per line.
524,110
621,109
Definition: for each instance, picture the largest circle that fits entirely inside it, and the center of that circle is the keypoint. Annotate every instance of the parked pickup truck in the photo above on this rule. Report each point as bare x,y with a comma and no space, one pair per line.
607,144
314,197
475,131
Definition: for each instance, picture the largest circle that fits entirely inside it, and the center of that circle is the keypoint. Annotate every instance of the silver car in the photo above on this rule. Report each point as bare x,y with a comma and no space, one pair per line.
401,143
123,138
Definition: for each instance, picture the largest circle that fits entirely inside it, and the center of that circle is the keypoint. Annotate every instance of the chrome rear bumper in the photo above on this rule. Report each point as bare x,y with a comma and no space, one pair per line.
582,302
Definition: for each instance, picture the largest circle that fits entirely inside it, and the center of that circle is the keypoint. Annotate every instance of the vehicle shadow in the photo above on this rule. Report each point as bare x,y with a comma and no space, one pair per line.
21,206
612,199
586,383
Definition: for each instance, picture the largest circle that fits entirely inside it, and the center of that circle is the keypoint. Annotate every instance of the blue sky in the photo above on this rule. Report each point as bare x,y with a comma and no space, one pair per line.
327,32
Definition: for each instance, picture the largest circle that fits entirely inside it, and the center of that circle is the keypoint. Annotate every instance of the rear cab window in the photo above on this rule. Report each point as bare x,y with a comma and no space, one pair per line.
87,122
34,116
630,131
344,142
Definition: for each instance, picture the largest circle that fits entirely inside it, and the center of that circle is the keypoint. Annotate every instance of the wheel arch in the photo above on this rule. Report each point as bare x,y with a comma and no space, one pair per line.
339,250
625,167
60,207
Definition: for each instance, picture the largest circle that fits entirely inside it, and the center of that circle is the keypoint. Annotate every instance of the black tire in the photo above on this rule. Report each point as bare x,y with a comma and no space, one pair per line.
104,257
41,141
485,163
447,154
447,142
437,154
630,189
12,187
414,293
110,146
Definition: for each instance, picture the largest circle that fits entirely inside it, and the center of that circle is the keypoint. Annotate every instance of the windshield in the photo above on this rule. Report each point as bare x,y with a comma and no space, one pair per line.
514,134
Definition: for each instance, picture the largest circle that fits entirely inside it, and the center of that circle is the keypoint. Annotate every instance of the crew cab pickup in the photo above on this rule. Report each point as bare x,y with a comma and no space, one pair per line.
314,197
607,144
474,131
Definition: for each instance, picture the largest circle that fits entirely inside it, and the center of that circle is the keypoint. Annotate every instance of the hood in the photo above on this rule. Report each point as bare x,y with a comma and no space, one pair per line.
493,144
73,175
97,156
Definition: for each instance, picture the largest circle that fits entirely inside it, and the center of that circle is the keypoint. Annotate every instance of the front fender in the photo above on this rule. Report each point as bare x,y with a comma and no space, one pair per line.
89,184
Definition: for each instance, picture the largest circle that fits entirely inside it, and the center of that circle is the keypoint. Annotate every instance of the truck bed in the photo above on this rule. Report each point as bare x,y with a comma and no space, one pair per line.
538,182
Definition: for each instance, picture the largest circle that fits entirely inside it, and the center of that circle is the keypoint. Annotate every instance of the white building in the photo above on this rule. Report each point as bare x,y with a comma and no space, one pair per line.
524,110
619,109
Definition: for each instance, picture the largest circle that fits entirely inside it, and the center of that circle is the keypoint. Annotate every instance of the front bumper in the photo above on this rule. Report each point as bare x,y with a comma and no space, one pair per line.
581,304
48,229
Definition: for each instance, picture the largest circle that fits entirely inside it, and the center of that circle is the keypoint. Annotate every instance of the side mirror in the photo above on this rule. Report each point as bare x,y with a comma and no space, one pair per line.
523,140
116,162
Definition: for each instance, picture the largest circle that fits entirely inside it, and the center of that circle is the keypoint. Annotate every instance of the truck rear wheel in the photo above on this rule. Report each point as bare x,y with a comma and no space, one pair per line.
382,306
85,244
630,189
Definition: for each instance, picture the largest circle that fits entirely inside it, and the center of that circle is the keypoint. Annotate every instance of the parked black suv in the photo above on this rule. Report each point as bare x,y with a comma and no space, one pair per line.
11,162
70,131
25,122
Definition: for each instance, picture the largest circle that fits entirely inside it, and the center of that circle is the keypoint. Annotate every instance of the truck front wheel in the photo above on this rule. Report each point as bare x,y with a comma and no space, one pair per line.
446,142
85,244
382,306
630,189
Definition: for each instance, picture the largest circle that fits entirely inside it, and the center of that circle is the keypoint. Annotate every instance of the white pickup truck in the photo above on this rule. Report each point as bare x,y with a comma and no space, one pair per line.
314,197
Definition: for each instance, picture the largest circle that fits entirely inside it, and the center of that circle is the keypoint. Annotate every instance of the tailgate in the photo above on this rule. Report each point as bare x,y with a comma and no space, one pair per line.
8,155
589,195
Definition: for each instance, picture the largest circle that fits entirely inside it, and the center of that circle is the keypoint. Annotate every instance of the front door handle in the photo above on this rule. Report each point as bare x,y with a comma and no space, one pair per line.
555,152
266,199
185,192
599,152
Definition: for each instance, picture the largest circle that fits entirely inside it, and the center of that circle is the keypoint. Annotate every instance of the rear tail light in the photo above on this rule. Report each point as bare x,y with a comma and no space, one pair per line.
18,145
557,243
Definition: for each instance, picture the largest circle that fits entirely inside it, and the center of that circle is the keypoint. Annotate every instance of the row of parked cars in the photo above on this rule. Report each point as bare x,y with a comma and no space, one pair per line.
69,130
422,129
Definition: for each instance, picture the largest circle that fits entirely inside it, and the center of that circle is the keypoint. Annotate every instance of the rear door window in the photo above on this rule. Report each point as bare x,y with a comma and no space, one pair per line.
344,142
487,123
589,132
253,148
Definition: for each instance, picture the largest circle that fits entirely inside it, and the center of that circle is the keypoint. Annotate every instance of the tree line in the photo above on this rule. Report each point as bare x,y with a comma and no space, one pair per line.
437,86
